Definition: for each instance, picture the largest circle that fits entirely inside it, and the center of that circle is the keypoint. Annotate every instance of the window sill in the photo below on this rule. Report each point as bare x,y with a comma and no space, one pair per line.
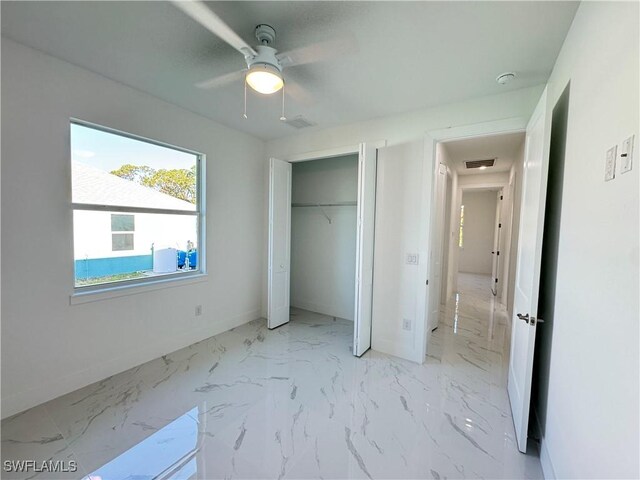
106,293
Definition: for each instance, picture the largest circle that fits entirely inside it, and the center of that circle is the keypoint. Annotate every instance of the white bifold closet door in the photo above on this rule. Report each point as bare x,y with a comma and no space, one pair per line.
364,248
279,242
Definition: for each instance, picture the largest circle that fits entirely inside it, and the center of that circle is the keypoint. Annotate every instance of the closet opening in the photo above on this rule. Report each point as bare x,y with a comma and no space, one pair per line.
321,235
324,194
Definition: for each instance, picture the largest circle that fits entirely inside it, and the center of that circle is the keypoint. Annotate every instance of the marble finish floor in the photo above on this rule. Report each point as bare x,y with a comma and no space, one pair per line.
292,403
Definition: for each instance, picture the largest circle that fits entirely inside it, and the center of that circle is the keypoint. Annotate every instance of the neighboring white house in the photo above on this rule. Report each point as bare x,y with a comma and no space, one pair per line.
122,234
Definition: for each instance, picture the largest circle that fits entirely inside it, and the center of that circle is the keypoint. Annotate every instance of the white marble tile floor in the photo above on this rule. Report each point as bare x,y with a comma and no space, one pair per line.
292,403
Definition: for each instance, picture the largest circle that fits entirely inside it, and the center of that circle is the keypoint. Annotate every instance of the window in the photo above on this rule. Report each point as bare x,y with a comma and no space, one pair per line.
137,208
119,224
460,232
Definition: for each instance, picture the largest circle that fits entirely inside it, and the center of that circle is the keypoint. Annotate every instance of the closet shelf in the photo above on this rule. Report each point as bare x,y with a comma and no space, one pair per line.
335,204
322,205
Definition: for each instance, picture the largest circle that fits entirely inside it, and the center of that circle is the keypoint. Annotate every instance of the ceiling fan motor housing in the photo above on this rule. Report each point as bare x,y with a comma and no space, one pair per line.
265,34
266,56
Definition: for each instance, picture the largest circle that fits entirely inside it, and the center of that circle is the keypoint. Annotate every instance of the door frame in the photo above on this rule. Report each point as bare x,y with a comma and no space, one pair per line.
496,261
432,138
492,186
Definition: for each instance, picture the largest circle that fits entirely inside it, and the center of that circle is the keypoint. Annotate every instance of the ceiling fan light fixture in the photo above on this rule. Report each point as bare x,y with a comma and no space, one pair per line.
264,78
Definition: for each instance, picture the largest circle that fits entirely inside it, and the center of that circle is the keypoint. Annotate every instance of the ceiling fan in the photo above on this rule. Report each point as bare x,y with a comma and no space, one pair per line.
264,63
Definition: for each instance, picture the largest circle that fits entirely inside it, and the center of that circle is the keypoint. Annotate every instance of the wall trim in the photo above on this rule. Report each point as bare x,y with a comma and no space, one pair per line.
390,347
545,460
322,309
55,388
331,152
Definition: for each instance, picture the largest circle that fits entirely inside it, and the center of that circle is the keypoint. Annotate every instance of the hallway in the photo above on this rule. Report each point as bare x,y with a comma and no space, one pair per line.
293,403
471,346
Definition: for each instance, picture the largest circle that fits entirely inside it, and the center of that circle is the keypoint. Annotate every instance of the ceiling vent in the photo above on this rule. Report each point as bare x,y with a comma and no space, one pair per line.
299,122
480,163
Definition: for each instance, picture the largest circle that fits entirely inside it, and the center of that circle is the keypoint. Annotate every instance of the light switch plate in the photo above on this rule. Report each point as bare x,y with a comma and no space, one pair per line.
626,155
412,259
406,324
610,164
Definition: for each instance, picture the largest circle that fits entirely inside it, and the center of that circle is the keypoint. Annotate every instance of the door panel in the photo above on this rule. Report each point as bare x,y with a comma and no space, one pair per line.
279,242
437,240
495,263
528,268
364,249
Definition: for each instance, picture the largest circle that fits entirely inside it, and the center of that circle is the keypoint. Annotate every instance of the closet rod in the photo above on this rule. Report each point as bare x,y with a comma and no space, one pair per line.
336,204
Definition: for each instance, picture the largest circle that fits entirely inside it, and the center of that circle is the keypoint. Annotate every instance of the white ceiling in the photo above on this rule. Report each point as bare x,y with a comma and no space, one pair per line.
405,55
503,148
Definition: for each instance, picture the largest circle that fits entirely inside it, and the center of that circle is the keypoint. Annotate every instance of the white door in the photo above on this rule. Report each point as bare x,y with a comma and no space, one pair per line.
435,255
279,242
495,253
364,248
527,282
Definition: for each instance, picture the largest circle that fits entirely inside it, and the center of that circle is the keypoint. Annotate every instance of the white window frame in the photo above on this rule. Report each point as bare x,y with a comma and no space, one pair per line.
88,293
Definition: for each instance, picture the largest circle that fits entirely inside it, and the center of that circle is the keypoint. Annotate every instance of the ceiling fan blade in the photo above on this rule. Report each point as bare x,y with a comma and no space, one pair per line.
318,52
299,94
212,22
221,80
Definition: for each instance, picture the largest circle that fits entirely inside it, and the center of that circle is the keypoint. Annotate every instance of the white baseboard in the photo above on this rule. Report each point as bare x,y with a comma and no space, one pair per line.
394,348
545,460
323,309
55,388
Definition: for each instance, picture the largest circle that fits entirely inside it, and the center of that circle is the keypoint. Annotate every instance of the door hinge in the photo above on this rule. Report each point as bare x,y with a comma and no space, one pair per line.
499,225
496,280
501,197
498,252
427,282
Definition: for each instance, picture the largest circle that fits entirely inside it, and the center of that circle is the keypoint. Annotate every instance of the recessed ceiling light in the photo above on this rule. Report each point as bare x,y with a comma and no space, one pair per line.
505,77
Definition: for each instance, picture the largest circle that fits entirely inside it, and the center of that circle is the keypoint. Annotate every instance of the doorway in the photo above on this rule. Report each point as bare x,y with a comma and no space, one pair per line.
323,237
481,203
478,232
548,268
321,233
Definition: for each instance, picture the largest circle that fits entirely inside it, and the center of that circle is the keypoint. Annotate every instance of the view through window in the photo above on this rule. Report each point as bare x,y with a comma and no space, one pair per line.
136,207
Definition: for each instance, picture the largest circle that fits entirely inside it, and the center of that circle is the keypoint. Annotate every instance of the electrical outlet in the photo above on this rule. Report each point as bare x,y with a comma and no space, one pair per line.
610,164
406,324
198,310
626,155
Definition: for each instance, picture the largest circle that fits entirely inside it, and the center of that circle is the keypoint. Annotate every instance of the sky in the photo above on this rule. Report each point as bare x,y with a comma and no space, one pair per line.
108,151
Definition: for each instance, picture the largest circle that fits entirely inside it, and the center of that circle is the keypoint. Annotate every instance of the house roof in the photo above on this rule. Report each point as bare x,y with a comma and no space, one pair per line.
97,187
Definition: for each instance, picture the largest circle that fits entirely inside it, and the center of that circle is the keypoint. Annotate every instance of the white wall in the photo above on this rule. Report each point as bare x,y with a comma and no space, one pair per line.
411,126
399,191
323,254
592,427
92,234
50,347
406,128
478,232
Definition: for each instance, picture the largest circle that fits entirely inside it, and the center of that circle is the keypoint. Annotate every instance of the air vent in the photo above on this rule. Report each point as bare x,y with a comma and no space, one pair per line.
480,163
299,122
